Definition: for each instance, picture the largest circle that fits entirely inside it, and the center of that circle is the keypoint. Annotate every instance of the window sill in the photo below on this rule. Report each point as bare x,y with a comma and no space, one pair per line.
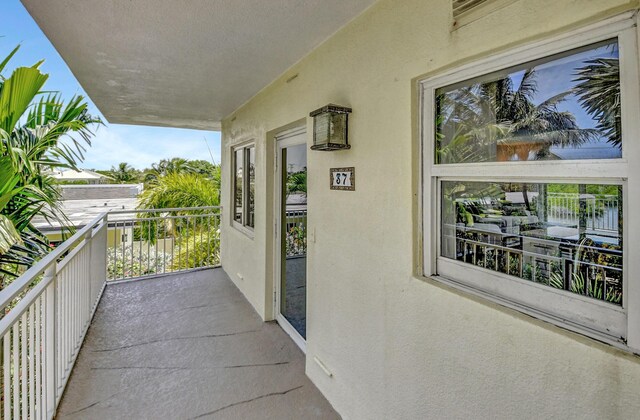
248,232
551,320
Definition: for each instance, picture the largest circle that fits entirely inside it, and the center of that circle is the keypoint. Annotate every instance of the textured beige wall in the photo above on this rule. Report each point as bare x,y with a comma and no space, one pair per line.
400,346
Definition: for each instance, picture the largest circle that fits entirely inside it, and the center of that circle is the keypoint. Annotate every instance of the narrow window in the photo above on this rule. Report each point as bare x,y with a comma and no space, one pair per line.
238,185
244,186
251,163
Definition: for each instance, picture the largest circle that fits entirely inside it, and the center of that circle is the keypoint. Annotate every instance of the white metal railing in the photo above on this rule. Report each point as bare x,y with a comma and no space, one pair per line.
145,243
601,211
45,313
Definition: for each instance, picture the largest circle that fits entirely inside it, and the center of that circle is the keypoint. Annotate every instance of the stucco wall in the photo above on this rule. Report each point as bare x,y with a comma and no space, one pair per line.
400,346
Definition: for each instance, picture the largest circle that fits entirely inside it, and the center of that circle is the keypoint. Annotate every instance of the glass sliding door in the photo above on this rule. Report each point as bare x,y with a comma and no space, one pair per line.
292,235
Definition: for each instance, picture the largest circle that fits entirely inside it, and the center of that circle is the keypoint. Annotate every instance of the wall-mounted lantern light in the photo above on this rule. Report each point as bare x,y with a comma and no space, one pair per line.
330,128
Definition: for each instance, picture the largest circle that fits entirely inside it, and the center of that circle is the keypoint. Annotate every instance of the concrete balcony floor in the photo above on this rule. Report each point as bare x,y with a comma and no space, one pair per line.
184,347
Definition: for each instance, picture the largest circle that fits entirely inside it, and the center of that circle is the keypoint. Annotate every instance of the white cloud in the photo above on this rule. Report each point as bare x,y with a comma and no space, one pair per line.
141,146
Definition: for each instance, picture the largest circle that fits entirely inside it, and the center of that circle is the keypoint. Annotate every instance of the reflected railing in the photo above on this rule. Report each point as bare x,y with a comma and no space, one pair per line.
296,233
600,211
566,265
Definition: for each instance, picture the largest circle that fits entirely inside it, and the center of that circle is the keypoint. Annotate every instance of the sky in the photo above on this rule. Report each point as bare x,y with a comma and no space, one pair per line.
113,143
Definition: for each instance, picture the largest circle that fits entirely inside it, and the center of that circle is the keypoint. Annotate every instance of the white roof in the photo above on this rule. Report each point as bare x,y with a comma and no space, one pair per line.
82,175
82,212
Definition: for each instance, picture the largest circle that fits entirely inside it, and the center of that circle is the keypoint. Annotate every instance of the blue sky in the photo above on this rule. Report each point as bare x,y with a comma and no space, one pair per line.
139,146
557,77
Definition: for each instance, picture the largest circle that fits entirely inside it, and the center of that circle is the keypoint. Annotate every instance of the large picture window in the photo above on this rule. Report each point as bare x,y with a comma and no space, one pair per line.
244,179
527,175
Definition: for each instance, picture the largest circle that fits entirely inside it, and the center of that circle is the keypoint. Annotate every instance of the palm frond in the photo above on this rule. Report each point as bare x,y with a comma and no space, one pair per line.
8,58
31,141
17,93
598,90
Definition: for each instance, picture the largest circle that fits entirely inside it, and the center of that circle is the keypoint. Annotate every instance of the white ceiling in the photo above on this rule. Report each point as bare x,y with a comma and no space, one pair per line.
184,63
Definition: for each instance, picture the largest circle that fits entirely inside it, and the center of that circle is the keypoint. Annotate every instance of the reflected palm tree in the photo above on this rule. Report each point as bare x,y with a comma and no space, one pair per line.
297,183
499,118
598,91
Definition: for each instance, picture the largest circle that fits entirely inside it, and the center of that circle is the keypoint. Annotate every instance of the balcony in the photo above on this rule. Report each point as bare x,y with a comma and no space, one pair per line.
119,323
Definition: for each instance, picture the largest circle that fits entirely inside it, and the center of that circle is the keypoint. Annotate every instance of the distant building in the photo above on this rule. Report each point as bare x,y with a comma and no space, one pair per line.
98,192
83,203
83,175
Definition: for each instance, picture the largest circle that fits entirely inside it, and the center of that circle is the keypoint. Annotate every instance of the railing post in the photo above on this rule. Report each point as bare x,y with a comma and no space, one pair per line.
89,239
51,343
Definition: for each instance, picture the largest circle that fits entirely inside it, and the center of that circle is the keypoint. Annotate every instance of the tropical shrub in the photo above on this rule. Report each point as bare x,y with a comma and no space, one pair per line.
135,262
296,240
198,249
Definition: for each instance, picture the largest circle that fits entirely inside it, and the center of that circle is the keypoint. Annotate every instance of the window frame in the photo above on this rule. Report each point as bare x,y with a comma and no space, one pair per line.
243,225
619,326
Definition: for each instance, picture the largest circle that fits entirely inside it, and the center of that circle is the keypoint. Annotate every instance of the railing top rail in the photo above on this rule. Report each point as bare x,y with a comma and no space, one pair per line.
576,195
165,210
8,294
133,220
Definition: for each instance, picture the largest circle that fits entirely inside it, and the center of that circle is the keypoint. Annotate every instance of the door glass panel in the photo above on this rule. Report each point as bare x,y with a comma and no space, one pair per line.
293,294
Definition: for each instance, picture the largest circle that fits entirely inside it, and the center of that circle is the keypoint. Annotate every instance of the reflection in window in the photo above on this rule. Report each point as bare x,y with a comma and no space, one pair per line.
244,185
251,162
238,184
566,106
295,185
566,236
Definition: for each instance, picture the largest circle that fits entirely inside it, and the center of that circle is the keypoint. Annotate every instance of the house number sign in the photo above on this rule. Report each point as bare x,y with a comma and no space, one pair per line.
343,179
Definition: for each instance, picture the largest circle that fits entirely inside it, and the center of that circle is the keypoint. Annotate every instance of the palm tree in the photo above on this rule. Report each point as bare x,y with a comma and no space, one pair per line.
598,90
180,190
173,165
123,174
203,167
35,136
169,166
177,190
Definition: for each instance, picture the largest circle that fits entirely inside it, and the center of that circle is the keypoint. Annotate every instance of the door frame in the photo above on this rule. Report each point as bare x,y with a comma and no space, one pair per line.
291,137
